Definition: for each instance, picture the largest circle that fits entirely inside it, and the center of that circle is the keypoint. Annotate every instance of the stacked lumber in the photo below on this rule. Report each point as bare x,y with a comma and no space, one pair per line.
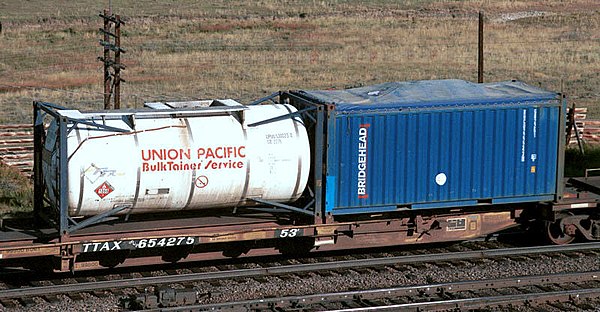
591,132
588,130
16,147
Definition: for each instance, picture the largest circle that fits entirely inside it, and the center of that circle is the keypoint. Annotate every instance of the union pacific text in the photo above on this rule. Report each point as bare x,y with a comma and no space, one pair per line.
204,158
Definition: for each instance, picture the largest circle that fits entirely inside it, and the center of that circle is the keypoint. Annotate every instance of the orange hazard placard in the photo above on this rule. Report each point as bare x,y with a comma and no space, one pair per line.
104,189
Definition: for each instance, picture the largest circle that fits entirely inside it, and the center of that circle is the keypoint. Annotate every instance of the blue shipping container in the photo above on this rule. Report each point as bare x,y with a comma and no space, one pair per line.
442,143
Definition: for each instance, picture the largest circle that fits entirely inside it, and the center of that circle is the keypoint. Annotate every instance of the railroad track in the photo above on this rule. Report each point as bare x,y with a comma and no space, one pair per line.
466,295
144,290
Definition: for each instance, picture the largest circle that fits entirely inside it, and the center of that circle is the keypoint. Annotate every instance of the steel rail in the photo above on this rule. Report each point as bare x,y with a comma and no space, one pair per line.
474,303
295,268
426,291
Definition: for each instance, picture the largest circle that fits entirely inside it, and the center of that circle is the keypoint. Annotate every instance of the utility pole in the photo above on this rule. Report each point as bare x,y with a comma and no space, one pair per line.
111,42
480,50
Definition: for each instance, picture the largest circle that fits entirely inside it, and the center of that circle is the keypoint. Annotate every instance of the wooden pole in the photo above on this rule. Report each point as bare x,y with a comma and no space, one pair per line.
117,67
107,78
480,48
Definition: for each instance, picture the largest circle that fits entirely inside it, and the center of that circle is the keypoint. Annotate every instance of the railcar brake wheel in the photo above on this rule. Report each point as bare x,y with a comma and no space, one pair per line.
559,233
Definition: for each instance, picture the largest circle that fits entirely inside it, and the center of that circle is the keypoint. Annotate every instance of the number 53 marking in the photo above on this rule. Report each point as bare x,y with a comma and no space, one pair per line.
289,233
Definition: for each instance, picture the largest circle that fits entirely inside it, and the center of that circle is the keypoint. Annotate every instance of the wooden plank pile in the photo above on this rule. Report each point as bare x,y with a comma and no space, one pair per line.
587,129
16,147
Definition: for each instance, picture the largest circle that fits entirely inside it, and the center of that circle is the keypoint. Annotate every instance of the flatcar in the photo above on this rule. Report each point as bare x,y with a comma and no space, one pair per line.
297,171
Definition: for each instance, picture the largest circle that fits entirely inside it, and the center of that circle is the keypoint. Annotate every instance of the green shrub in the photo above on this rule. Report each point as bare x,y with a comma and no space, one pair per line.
16,191
576,163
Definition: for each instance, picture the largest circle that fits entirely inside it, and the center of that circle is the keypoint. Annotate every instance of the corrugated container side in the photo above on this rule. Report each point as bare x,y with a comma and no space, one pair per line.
442,157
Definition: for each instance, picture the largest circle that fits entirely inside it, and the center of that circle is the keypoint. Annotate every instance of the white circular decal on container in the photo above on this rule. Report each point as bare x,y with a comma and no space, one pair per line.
440,179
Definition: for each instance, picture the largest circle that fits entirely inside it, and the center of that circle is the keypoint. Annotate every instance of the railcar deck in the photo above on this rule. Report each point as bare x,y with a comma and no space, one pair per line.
12,231
197,236
144,242
590,184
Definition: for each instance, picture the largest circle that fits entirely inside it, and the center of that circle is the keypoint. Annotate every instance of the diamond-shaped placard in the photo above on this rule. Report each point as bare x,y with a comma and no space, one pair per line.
104,189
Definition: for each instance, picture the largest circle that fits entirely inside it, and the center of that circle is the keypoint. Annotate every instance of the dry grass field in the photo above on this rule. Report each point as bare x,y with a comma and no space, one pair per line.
179,50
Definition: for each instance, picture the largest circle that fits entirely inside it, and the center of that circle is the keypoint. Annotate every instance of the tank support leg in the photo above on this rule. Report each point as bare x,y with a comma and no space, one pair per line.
96,219
282,206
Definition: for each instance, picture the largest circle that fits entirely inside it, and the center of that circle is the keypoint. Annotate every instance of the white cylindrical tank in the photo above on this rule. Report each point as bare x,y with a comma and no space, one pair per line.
181,161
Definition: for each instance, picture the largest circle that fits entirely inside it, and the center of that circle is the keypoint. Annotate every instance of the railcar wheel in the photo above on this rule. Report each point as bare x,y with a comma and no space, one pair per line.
296,246
114,258
174,254
560,233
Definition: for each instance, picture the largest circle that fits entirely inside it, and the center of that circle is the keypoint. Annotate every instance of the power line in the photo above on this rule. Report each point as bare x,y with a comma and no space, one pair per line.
203,46
284,59
35,87
32,87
